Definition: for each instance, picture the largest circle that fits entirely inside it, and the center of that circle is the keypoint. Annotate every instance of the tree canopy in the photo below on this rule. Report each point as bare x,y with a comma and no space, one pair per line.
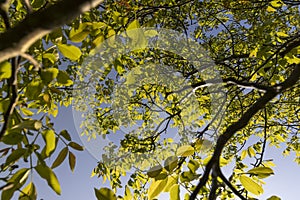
174,90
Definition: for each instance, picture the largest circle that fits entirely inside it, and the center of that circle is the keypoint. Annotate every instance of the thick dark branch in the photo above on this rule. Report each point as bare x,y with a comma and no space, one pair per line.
227,182
36,25
242,122
13,98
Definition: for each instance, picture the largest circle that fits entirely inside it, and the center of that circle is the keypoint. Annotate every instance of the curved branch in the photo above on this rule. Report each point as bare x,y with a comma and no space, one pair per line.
227,182
36,25
242,122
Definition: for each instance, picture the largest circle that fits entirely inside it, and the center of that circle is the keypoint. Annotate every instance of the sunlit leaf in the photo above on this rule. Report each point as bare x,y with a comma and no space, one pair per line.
250,185
175,192
46,173
156,188
60,158
69,51
49,138
5,70
185,151
105,194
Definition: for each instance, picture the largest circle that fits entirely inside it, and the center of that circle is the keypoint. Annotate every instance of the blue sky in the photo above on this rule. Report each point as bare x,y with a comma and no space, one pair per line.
79,185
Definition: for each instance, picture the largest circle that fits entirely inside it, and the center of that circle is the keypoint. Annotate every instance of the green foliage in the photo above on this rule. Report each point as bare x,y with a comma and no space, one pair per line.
253,45
105,194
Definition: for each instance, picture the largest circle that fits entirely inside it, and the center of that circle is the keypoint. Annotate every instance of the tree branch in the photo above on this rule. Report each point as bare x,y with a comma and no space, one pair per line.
242,122
36,25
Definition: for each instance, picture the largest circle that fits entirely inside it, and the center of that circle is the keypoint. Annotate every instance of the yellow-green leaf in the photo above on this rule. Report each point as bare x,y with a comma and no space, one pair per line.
28,124
175,192
46,173
28,193
262,172
64,79
76,146
79,34
34,89
105,194
282,34
274,198
5,70
133,25
253,53
156,188
244,154
250,185
128,195
51,57
12,137
72,161
69,51
65,134
49,74
60,158
49,137
26,112
186,150
171,181
171,163
271,9
154,171
15,155
17,181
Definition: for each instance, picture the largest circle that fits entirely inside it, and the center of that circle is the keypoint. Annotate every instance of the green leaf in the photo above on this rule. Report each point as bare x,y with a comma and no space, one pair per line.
253,53
4,105
17,181
251,152
185,151
49,138
64,79
60,158
262,172
34,89
282,34
99,39
28,193
46,173
133,25
28,124
36,4
271,9
15,155
72,161
244,154
250,185
175,192
276,3
193,165
51,57
79,34
105,194
128,195
156,188
76,146
65,134
293,60
154,171
172,180
274,198
12,137
49,74
5,70
69,51
171,163
26,111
